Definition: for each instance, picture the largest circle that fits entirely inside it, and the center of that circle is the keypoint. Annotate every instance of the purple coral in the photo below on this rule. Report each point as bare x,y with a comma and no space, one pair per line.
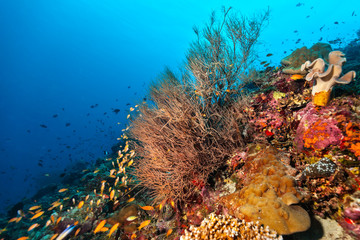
316,130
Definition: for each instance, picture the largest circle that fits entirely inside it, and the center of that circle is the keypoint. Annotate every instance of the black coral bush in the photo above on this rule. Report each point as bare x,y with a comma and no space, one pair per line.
194,122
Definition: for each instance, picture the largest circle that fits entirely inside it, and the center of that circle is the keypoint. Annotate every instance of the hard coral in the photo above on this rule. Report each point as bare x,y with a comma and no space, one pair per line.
325,80
226,227
269,193
299,56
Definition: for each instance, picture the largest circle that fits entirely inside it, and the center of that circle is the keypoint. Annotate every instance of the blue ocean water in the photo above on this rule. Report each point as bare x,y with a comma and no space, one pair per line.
67,66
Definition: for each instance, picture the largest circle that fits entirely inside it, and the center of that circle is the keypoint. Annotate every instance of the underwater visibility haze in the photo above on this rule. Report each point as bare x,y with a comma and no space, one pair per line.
179,119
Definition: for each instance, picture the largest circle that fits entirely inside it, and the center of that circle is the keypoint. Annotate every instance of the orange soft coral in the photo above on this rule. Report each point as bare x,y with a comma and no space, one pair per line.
352,138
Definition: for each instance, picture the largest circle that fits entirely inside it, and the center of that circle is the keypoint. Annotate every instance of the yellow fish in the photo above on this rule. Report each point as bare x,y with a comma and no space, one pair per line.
58,220
131,218
77,232
144,224
48,222
37,215
63,190
296,77
23,238
130,163
100,226
34,207
13,220
147,208
169,232
113,229
54,236
81,204
112,194
35,225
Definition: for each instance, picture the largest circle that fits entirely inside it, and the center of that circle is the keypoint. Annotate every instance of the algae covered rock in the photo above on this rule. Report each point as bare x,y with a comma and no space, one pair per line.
269,194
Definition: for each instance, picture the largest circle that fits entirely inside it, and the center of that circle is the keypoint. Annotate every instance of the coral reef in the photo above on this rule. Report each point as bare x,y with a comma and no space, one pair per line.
294,61
269,194
351,218
325,80
223,227
317,130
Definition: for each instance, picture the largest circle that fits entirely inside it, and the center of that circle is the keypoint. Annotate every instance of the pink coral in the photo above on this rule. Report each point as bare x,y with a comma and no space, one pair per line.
316,131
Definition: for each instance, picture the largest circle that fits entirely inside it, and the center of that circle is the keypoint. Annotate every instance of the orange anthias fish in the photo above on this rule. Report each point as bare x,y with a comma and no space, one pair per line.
35,225
81,204
297,77
37,215
144,224
169,232
63,190
147,208
34,207
113,229
23,238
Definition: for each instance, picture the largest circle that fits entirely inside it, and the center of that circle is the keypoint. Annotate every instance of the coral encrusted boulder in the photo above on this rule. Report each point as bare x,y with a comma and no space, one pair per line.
269,195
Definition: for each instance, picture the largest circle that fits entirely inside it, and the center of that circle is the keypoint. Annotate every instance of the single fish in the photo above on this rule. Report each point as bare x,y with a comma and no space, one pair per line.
35,225
112,194
23,238
169,232
113,229
131,218
147,208
81,204
144,224
269,54
66,232
37,215
63,190
296,77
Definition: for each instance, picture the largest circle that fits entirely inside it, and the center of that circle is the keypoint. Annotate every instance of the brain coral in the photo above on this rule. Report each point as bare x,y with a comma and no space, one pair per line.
294,61
269,194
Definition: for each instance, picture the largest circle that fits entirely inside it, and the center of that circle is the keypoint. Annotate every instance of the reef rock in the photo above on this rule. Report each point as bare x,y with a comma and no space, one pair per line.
269,194
317,130
294,61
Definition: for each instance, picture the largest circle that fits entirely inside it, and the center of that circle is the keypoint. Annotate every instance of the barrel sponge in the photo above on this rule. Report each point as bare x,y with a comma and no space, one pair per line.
269,196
